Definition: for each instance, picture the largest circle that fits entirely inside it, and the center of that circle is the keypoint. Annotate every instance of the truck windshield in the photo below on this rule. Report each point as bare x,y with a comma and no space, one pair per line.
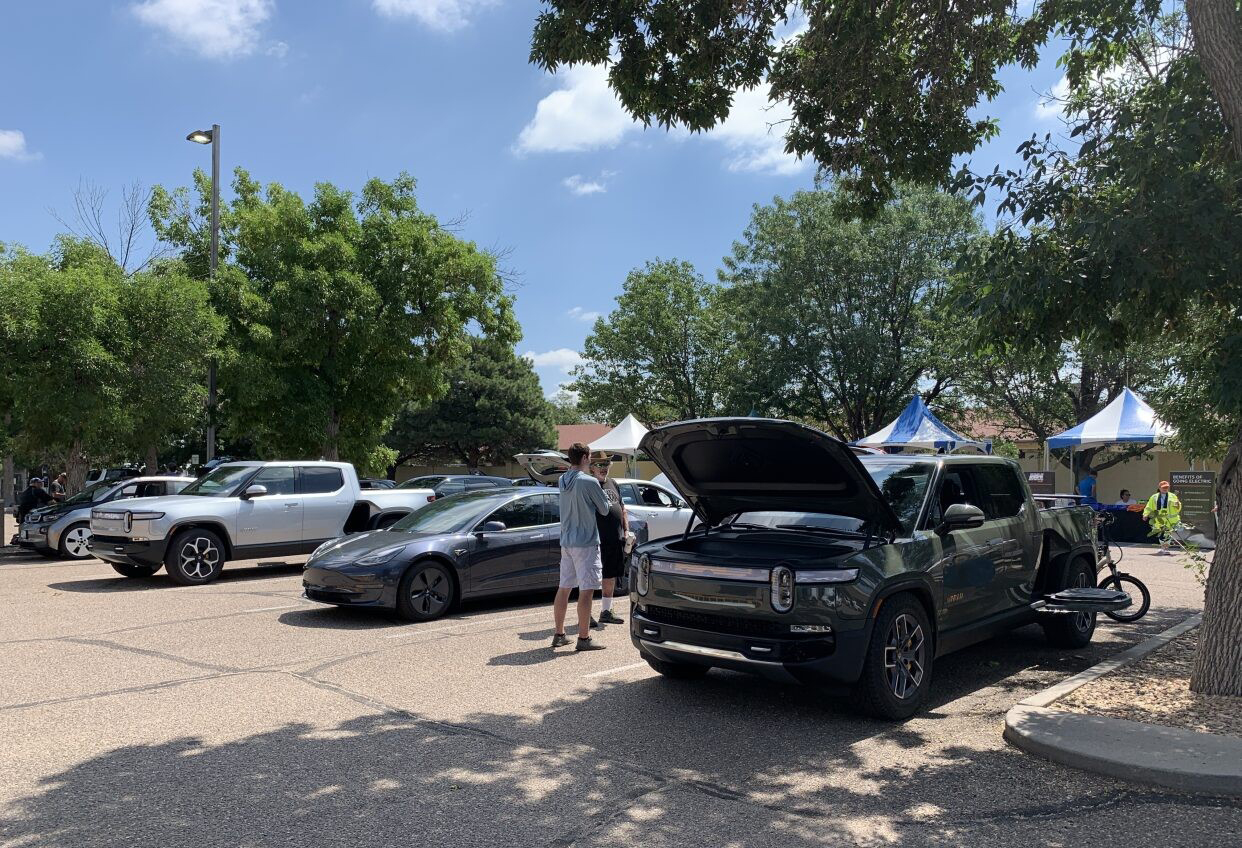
421,483
450,515
220,482
91,493
903,485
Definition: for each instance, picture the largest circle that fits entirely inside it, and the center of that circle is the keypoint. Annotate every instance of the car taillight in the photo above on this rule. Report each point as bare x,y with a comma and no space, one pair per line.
643,584
430,498
782,589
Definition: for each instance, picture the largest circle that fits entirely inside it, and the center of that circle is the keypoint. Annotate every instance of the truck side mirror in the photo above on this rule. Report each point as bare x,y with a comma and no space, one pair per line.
960,516
255,491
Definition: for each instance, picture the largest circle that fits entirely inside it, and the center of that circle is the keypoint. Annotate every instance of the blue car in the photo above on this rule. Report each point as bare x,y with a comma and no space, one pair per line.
482,543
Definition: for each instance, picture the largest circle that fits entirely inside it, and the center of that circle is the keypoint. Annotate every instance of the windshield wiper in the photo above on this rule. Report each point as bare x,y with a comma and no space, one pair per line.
746,526
836,531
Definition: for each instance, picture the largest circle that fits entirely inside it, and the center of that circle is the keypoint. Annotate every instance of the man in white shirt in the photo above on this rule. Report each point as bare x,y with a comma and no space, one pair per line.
1126,499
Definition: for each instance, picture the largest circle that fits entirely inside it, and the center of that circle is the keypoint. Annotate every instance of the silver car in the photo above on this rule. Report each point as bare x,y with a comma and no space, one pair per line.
64,529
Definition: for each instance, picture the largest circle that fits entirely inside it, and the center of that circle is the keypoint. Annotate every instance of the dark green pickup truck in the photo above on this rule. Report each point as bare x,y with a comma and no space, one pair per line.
815,565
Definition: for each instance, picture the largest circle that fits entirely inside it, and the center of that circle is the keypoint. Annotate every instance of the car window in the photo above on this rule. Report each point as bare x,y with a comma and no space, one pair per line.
957,485
452,487
321,481
220,483
651,496
1000,490
425,482
175,486
279,480
523,512
629,493
471,485
151,489
129,491
551,509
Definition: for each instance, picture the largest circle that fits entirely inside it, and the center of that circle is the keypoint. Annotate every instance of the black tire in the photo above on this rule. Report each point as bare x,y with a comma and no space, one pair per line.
1073,630
676,670
897,690
133,570
195,557
73,541
1137,592
428,590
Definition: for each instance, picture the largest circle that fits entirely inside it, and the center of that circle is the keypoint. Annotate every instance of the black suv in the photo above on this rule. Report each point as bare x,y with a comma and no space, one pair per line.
444,485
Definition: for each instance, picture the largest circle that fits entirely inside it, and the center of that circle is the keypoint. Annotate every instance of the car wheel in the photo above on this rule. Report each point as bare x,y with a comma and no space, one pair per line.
1073,630
676,670
74,541
897,670
133,570
427,591
195,557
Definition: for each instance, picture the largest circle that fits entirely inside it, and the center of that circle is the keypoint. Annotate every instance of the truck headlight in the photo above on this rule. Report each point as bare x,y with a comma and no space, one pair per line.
146,516
782,589
643,583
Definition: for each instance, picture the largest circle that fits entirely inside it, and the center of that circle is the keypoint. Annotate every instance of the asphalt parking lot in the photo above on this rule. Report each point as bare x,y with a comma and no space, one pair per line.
136,712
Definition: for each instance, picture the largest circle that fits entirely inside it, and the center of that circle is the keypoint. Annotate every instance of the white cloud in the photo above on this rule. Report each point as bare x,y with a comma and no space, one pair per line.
444,15
563,358
582,315
13,146
1052,105
581,185
582,114
279,49
216,29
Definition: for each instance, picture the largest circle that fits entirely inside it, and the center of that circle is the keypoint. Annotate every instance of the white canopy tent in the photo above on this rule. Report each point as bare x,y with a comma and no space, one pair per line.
623,438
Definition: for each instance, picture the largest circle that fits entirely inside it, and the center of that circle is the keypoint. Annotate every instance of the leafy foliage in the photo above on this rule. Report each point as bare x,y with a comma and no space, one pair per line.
494,408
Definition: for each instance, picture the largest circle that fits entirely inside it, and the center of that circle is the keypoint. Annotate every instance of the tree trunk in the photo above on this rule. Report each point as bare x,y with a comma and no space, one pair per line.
153,459
332,437
1217,29
6,486
76,467
1218,661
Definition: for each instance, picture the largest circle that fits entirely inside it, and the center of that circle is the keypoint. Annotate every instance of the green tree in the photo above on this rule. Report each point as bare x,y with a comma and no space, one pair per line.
878,92
19,297
494,408
839,318
340,310
662,354
565,408
1133,235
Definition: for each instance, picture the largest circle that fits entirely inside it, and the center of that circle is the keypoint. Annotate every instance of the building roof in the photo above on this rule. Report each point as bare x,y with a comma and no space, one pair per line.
567,434
983,425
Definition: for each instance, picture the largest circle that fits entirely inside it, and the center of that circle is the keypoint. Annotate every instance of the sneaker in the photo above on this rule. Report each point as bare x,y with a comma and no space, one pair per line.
595,624
560,640
609,617
587,645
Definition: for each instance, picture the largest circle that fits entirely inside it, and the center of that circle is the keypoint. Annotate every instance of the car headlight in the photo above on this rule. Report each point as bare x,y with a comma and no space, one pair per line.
782,589
381,556
644,574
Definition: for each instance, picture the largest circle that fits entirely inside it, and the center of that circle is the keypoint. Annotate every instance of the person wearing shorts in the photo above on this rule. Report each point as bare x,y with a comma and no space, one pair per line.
612,529
581,568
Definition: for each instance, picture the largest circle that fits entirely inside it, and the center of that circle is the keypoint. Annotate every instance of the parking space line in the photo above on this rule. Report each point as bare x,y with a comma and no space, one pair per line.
607,671
475,621
268,609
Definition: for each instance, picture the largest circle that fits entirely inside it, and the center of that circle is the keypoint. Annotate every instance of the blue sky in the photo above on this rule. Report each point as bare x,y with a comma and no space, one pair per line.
547,167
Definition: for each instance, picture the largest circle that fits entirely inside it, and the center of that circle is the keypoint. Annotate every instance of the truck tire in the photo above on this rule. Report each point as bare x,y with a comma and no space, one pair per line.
195,557
134,570
74,540
676,670
1073,630
897,670
427,591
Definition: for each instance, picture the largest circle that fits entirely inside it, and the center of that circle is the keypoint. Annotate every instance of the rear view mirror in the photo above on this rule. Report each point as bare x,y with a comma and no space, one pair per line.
254,491
961,516
492,527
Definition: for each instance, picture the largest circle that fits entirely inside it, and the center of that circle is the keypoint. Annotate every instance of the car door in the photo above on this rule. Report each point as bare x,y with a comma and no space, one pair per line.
549,574
326,503
1012,547
666,514
509,558
968,572
273,519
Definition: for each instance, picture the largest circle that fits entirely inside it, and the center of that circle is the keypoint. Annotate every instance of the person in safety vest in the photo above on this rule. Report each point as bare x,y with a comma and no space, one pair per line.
1164,512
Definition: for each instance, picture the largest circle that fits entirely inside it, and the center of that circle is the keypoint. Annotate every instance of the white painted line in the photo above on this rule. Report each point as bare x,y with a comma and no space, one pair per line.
269,609
477,621
607,671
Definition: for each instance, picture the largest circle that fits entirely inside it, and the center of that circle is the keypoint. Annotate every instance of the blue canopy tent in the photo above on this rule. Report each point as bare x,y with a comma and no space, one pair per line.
1126,420
918,427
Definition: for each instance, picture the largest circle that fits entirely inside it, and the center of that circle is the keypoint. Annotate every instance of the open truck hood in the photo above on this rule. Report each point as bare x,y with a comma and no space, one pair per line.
724,466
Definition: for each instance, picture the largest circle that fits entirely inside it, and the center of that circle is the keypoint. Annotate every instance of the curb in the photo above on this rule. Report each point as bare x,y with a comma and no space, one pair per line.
1169,757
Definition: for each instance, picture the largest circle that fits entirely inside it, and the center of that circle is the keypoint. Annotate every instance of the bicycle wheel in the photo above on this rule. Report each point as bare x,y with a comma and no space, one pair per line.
1138,594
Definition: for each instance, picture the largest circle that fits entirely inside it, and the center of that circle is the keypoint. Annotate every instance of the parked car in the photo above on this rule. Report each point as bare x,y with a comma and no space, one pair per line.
454,484
665,512
376,483
486,542
817,565
111,475
64,529
242,510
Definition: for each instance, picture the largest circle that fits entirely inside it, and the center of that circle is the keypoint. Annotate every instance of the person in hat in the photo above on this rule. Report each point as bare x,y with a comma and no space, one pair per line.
612,529
1164,513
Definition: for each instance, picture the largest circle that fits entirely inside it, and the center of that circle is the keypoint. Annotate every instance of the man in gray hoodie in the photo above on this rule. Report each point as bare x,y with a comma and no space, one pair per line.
582,499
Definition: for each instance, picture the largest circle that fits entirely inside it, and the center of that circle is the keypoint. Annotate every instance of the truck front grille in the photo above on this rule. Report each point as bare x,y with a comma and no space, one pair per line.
730,624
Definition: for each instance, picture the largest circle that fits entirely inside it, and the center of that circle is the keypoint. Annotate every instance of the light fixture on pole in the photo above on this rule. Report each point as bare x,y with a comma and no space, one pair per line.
212,137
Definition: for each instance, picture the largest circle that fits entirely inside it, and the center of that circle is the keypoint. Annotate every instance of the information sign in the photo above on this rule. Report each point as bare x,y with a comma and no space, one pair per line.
1197,491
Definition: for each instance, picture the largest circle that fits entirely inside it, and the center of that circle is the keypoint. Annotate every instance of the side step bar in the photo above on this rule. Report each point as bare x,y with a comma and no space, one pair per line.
1084,600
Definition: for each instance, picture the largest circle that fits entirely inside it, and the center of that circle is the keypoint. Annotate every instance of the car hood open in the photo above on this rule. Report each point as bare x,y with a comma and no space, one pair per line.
725,466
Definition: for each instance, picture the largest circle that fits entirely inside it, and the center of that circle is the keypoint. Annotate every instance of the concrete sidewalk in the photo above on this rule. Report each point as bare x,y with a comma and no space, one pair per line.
1175,758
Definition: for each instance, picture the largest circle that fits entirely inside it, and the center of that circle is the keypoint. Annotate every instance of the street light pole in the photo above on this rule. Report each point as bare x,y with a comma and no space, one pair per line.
212,136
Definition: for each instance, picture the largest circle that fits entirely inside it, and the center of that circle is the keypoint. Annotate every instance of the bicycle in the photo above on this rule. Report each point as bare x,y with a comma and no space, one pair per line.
1118,580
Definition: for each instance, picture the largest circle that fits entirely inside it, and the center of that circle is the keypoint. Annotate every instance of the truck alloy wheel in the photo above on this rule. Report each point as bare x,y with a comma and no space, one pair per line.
904,656
897,668
196,556
73,541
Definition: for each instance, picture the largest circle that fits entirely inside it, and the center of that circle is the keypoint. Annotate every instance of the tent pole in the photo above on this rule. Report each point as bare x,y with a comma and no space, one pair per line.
1047,467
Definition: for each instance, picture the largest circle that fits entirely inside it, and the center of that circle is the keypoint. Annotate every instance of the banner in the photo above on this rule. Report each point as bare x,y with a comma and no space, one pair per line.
1197,491
1042,482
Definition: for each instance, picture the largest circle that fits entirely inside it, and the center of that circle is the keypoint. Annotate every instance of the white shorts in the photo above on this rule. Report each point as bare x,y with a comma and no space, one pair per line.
581,568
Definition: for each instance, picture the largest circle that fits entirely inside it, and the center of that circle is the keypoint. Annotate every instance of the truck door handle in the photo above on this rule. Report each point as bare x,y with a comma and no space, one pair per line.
291,505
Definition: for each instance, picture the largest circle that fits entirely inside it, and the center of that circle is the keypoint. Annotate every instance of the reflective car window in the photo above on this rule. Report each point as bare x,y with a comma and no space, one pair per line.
629,494
651,496
448,515
321,481
551,509
279,480
424,482
220,482
523,512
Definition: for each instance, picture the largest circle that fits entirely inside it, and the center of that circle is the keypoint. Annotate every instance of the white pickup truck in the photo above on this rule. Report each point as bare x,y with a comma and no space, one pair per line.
243,510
